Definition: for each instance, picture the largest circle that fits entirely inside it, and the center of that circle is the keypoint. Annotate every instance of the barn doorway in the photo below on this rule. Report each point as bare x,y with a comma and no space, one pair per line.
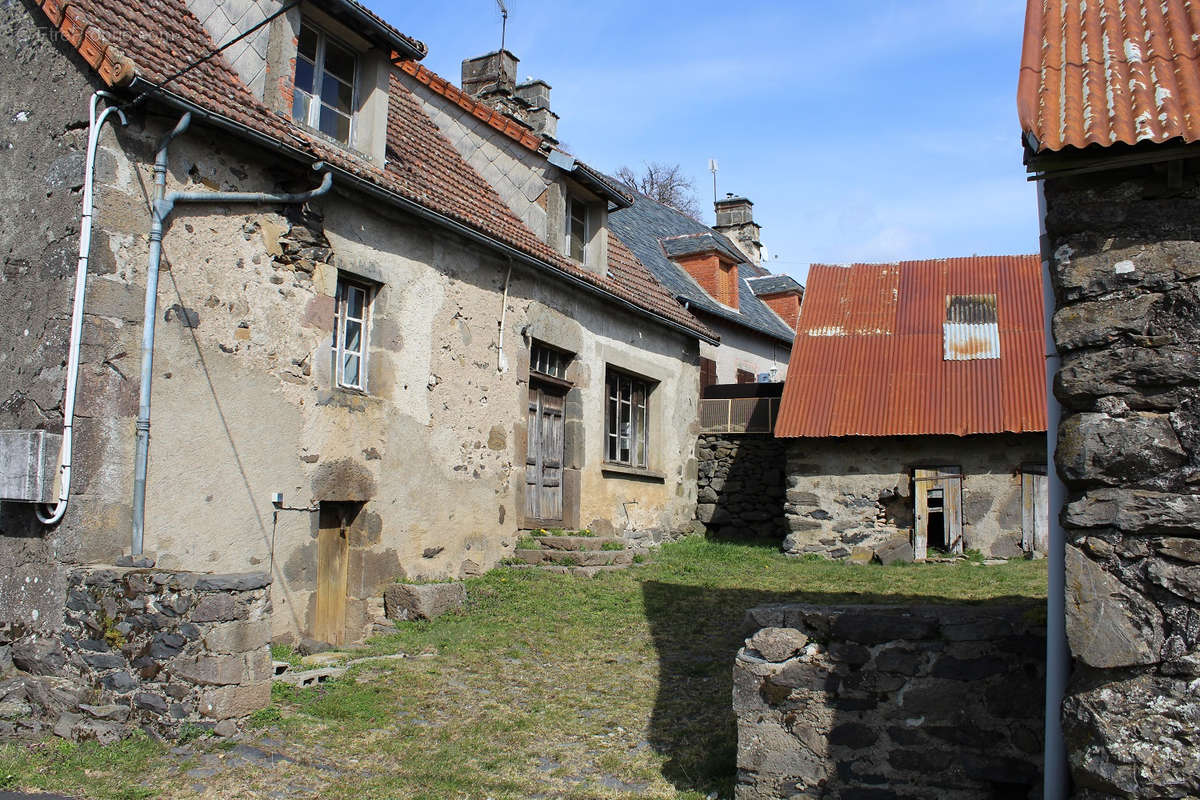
937,499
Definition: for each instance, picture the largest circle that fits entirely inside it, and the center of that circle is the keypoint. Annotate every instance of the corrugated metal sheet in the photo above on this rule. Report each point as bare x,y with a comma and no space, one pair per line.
869,357
1109,71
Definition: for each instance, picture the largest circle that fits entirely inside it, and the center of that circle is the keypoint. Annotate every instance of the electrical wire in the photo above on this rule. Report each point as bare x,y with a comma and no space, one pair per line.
141,98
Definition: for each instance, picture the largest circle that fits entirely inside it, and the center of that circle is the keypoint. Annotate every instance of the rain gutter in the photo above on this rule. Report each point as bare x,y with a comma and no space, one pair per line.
412,207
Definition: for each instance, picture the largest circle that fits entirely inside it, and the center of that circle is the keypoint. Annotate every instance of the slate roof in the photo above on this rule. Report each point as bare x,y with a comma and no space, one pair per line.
690,244
774,284
1103,72
157,38
870,357
646,224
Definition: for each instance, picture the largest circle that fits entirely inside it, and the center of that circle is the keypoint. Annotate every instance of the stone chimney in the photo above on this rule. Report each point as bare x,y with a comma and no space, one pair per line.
735,219
492,79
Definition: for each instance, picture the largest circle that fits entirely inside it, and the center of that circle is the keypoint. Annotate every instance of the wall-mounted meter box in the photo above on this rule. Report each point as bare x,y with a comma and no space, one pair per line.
28,465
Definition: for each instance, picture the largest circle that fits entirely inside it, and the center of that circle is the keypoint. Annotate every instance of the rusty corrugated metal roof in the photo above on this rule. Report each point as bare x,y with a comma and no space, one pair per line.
869,357
1110,71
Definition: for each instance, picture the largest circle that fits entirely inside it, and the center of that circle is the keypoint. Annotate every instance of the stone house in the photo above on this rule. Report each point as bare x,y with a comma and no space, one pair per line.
914,409
1115,152
717,276
390,379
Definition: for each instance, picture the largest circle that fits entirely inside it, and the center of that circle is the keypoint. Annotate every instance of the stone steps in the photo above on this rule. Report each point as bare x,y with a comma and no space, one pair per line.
578,542
562,569
577,558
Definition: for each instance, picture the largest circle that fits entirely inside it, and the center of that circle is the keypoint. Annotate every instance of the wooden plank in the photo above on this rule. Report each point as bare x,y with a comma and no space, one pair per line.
1028,517
1041,516
551,456
952,507
922,482
332,560
532,453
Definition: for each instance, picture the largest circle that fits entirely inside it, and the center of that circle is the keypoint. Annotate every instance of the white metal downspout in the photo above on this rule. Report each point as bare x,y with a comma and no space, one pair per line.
161,208
51,515
1058,659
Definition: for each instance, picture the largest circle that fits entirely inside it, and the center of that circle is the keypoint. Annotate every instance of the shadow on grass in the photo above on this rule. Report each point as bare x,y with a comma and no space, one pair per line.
697,632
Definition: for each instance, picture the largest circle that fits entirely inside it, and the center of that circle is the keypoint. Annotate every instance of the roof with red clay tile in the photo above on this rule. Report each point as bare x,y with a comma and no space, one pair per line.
886,350
157,38
1106,72
504,123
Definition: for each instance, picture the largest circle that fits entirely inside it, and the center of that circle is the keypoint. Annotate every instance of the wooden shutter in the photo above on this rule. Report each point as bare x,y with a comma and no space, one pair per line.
708,373
1034,511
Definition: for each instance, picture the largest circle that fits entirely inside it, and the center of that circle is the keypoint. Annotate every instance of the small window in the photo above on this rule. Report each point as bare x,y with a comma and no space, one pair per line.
349,352
323,95
626,422
577,229
971,331
548,361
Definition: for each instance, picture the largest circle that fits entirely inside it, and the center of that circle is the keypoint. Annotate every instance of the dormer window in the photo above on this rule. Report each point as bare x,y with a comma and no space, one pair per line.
323,96
577,229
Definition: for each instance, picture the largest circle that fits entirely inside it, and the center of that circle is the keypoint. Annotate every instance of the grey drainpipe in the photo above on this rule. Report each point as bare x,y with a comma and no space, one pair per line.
1058,657
161,209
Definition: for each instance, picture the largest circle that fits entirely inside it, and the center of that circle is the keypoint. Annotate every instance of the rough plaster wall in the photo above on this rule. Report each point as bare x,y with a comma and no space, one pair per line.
852,492
242,404
43,134
740,349
227,19
519,176
1125,250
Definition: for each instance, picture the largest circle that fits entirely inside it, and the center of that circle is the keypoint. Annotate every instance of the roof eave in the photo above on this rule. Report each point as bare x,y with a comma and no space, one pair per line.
370,188
366,24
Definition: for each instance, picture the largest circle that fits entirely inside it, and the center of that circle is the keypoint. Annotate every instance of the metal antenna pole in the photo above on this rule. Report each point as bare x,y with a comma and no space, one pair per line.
503,23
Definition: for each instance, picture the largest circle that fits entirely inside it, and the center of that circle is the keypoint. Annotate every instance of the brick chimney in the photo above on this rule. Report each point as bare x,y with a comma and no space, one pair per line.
786,305
735,219
492,79
716,275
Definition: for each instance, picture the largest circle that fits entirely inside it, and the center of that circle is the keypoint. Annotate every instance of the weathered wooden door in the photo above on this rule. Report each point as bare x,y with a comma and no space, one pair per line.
544,457
333,544
937,495
1034,509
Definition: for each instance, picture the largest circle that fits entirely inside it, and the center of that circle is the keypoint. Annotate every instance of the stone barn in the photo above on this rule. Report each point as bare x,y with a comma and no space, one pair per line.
914,410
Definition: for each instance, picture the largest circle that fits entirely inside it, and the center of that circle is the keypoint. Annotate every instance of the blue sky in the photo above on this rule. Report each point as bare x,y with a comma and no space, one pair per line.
863,130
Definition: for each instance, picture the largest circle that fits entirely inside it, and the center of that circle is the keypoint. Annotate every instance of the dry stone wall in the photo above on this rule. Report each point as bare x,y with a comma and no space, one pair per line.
1125,258
881,702
740,485
141,647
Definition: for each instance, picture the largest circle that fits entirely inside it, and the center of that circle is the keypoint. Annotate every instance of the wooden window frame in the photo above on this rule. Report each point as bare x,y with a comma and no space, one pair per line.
312,119
615,406
572,204
341,321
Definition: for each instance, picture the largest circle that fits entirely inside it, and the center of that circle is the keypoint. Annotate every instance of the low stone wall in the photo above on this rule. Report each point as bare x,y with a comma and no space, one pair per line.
142,647
740,485
890,702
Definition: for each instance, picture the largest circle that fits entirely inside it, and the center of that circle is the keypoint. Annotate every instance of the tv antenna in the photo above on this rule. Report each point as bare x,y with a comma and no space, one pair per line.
712,167
503,23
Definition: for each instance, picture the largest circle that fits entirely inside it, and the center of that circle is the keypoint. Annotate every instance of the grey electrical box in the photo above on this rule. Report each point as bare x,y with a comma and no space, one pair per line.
28,463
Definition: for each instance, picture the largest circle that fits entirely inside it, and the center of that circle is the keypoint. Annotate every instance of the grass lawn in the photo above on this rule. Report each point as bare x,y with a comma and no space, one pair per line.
548,686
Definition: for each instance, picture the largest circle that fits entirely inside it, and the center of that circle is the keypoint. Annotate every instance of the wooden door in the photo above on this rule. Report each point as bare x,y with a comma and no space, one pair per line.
1034,509
945,482
544,456
333,544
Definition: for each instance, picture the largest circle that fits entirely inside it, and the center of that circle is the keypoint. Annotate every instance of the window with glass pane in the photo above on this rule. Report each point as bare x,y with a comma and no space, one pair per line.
349,334
576,229
626,421
548,361
323,97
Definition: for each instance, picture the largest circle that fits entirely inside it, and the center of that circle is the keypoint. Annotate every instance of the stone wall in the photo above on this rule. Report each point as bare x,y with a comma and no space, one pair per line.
856,492
141,647
1125,258
881,702
740,485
